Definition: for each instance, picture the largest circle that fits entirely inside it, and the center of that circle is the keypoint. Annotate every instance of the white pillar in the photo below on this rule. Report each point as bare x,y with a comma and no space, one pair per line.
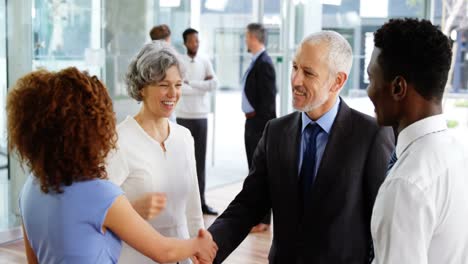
258,10
195,12
286,45
19,54
312,16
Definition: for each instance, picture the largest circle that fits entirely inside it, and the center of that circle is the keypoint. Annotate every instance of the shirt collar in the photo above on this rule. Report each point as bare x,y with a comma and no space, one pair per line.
419,129
326,121
190,58
256,55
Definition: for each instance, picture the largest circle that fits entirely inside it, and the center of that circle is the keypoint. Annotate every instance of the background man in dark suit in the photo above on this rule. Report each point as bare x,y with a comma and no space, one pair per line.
258,96
318,169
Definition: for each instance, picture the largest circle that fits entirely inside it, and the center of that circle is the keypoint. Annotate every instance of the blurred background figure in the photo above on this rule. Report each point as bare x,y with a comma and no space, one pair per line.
161,32
194,105
258,97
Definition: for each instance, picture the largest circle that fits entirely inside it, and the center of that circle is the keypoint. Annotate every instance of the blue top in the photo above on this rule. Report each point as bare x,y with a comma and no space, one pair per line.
67,227
325,122
246,106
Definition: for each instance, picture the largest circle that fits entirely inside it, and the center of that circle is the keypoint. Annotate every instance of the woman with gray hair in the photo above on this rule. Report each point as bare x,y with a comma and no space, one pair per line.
155,161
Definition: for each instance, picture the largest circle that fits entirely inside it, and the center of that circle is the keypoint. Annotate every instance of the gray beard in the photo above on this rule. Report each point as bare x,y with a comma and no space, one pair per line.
314,105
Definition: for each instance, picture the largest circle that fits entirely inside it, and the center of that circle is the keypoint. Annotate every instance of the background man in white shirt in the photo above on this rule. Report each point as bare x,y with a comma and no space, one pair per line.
194,105
421,209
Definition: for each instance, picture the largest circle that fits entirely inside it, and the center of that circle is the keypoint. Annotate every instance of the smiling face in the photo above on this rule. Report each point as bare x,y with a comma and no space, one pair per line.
380,92
311,80
161,98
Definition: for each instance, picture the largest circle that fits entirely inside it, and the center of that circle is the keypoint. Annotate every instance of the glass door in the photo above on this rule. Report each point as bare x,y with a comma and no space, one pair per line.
4,176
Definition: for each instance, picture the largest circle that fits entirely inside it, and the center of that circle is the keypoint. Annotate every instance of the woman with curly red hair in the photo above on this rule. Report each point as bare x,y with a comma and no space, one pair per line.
62,126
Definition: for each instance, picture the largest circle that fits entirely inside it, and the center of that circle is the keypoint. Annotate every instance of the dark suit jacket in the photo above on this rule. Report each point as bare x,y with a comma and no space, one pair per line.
260,87
336,227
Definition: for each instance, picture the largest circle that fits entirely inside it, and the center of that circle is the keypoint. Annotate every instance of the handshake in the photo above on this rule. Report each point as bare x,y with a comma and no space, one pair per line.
202,248
205,248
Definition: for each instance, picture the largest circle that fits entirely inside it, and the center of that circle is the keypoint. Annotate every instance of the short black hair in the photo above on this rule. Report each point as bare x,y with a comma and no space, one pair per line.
160,32
187,32
258,30
416,50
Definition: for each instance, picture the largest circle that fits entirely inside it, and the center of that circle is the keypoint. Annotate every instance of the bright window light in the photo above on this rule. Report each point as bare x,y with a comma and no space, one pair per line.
324,2
169,3
272,20
296,2
331,2
453,35
217,5
374,8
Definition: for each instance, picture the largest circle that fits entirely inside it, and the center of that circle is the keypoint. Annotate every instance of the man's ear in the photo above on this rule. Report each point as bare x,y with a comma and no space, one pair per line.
340,80
399,88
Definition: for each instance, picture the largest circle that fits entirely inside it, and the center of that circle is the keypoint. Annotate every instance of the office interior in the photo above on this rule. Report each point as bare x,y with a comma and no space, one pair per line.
101,36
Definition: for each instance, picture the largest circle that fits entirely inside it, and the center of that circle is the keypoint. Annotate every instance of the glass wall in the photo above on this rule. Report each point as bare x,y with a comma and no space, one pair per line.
221,29
4,206
357,20
63,35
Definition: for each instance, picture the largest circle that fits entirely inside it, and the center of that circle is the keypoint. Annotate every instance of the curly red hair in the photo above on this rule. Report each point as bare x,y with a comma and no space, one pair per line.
62,126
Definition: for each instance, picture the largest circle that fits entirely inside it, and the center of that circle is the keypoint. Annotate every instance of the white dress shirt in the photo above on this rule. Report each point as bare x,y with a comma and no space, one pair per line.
195,100
421,211
140,165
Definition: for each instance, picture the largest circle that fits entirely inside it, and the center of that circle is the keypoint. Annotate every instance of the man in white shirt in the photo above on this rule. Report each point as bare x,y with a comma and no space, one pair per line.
421,209
194,105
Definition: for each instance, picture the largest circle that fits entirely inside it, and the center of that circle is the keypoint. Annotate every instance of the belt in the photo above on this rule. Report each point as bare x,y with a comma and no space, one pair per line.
250,115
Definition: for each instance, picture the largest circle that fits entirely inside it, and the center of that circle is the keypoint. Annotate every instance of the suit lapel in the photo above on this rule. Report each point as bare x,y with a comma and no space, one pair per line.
291,143
288,154
250,80
255,65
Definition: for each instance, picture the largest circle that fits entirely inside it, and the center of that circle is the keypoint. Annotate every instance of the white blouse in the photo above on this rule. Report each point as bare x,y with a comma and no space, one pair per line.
140,165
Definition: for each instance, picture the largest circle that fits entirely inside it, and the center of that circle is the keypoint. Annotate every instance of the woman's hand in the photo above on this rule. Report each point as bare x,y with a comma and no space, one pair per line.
150,205
207,247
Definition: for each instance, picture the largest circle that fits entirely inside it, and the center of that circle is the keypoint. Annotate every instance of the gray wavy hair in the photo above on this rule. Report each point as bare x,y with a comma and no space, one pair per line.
340,54
150,65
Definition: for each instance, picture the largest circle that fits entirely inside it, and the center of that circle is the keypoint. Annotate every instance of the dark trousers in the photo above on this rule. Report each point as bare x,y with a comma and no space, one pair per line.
252,134
199,130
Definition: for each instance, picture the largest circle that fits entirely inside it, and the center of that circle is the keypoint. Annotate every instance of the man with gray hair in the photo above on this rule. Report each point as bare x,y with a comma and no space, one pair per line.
258,97
319,168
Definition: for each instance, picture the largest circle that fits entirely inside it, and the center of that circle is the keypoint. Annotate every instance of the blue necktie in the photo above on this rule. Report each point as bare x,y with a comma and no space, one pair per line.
307,174
393,160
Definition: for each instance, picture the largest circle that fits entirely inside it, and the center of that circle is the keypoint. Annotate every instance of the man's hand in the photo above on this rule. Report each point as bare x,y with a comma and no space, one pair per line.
207,248
150,205
209,77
